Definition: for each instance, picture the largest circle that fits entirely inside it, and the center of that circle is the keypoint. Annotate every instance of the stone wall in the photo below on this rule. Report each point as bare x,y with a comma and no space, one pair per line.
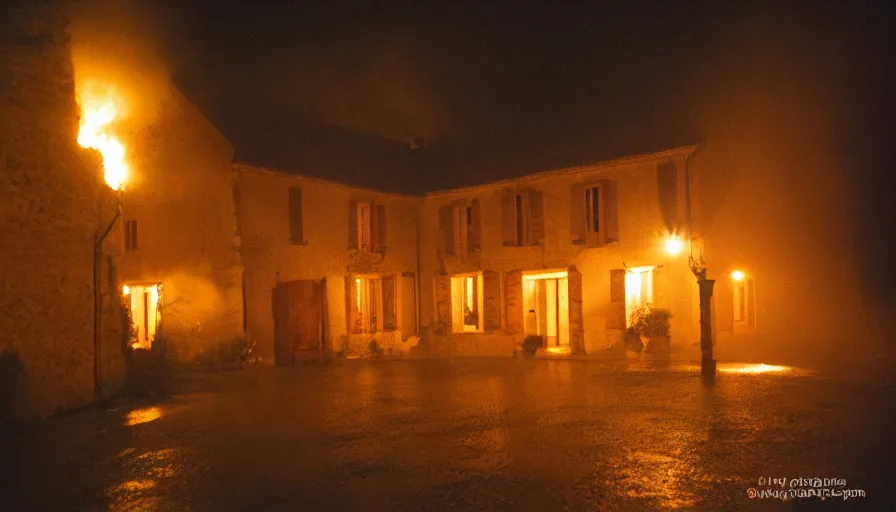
52,196
269,255
180,193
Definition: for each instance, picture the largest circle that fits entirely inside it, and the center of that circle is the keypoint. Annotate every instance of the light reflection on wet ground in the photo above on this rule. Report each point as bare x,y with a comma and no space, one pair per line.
475,434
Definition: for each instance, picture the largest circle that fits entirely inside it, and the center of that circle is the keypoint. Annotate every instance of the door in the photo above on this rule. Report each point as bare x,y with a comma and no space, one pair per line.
298,315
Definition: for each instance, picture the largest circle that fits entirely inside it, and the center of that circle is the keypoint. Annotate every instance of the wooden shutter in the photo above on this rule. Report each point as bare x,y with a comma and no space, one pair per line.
446,226
491,286
374,232
474,236
577,228
536,216
513,301
296,237
616,309
353,224
381,241
508,218
459,226
390,306
667,194
442,287
576,316
609,199
660,288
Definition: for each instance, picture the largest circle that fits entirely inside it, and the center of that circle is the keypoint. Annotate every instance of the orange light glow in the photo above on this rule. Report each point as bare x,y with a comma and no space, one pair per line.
125,290
674,245
100,108
755,368
138,416
737,275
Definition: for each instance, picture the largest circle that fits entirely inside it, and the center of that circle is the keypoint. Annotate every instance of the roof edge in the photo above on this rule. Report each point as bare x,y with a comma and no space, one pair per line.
242,166
579,169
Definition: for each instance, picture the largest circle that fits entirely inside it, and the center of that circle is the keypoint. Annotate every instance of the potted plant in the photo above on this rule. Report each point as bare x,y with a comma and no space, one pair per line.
653,324
632,340
531,345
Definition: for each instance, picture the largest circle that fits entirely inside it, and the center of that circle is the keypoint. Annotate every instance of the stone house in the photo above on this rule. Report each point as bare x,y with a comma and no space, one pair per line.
61,331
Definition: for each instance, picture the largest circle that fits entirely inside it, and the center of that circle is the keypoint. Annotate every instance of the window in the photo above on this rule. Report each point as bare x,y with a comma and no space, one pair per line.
372,303
744,308
367,226
459,224
638,290
594,216
296,236
522,218
364,226
466,303
130,235
366,305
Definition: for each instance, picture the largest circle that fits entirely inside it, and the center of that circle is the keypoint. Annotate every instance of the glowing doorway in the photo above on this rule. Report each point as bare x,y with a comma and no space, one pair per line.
144,305
546,306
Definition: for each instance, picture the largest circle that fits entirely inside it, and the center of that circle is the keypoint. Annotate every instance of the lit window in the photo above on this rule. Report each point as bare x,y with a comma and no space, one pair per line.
144,310
638,290
744,302
466,303
367,307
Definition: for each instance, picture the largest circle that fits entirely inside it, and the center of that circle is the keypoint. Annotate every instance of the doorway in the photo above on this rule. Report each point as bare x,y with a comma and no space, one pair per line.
298,321
143,301
546,306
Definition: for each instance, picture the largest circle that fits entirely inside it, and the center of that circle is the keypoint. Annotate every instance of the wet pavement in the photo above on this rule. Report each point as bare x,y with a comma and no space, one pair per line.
466,435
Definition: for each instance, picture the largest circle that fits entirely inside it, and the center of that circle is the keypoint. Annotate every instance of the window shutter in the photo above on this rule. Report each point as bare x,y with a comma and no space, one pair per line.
442,287
616,310
660,288
296,237
353,225
446,226
508,218
536,216
576,317
374,228
380,217
513,301
577,214
390,318
459,238
474,238
491,286
609,199
667,194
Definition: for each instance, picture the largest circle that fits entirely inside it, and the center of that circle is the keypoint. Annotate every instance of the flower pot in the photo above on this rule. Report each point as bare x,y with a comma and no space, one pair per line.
658,344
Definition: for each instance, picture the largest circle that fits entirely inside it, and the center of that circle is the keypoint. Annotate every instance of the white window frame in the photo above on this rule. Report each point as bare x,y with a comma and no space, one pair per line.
460,283
367,286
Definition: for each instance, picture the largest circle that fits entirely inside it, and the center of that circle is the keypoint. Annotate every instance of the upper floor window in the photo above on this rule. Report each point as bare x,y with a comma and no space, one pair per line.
522,217
460,227
594,217
130,235
367,226
296,234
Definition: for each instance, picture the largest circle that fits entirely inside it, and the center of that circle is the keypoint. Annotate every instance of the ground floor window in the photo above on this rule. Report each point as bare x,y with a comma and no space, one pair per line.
744,300
638,290
366,304
143,304
466,303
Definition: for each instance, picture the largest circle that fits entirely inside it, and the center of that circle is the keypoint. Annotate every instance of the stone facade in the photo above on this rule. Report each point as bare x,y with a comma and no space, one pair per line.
54,203
328,250
180,197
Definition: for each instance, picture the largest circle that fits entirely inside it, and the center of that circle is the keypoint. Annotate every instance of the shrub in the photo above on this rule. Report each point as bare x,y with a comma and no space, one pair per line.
651,322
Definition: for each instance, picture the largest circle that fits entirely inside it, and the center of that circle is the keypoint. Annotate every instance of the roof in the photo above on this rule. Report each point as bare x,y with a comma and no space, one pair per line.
300,145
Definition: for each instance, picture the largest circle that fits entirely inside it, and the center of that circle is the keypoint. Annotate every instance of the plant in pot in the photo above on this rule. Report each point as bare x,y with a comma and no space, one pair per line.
653,324
531,345
632,340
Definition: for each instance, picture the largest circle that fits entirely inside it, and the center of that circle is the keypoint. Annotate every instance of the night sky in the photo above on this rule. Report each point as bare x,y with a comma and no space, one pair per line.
339,89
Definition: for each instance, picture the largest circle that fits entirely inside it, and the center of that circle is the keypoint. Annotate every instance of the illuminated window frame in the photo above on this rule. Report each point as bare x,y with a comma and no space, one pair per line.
367,304
467,303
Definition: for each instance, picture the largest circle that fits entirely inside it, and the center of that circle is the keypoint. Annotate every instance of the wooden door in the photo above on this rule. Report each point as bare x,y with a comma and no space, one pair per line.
298,315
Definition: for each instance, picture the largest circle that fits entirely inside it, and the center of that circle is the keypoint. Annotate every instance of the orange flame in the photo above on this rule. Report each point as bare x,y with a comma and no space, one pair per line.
99,111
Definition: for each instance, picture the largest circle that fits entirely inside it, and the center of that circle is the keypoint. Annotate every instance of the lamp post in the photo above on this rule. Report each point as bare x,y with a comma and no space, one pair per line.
707,363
